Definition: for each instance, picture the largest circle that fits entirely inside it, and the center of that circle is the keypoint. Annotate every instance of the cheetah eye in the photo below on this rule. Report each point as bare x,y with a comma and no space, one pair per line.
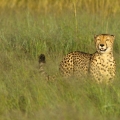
98,39
107,39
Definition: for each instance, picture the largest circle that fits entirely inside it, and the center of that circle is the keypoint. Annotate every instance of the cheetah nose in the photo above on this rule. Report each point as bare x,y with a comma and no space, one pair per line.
101,45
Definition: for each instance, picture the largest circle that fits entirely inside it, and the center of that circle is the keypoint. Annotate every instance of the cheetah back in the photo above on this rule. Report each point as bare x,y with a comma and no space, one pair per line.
75,63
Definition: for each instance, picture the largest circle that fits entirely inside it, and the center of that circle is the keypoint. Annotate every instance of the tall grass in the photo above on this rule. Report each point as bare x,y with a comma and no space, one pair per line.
24,93
104,7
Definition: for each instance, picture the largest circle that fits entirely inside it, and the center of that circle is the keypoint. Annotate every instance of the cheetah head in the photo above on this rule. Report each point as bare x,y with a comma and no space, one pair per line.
104,43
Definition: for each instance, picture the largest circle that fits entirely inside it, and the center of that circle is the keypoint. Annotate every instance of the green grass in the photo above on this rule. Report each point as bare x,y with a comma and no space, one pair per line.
25,95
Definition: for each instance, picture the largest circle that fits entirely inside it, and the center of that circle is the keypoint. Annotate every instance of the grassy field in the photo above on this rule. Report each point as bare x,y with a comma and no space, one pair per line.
25,95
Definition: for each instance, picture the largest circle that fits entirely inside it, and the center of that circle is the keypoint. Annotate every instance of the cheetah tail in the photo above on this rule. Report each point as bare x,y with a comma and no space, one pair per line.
41,60
42,71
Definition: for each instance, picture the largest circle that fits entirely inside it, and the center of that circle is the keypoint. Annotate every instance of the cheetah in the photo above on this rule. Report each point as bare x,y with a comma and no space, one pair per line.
100,65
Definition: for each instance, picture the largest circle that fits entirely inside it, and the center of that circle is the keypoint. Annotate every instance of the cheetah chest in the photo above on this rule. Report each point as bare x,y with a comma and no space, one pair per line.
102,67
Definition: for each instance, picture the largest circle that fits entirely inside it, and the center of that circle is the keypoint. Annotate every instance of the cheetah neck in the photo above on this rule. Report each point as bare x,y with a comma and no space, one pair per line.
106,57
110,54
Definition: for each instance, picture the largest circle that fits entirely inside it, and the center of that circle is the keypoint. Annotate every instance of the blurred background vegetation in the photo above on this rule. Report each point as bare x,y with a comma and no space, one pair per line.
55,28
105,7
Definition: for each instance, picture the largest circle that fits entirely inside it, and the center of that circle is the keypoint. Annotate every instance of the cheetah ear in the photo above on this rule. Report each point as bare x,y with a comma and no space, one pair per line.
95,36
113,36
